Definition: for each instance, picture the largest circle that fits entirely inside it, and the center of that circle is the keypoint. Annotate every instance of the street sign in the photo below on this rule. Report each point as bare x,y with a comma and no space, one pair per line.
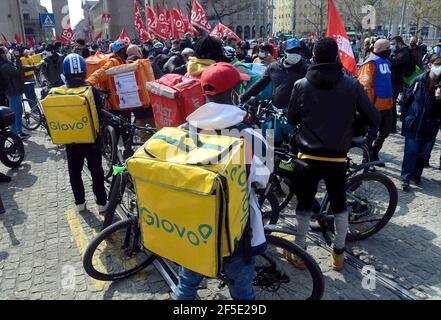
47,20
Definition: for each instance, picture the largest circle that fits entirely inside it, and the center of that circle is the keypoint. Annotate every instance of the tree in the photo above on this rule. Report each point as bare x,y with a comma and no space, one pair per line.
423,11
319,14
352,9
219,9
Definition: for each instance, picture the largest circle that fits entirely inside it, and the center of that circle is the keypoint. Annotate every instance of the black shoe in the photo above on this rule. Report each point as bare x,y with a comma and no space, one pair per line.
4,178
417,181
405,185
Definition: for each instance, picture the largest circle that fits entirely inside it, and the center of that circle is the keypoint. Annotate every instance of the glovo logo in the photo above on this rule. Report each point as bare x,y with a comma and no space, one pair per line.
71,126
195,238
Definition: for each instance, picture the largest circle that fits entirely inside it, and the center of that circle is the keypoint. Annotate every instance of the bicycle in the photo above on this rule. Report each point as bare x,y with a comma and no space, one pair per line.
33,115
12,150
117,253
365,218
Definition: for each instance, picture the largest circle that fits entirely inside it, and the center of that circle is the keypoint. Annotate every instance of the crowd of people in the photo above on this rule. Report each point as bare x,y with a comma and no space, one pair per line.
308,81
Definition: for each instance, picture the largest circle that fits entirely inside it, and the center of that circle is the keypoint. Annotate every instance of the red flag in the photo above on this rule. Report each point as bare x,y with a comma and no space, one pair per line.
198,17
153,23
98,37
139,25
169,22
178,24
124,37
17,39
30,40
221,31
337,30
162,23
185,20
68,36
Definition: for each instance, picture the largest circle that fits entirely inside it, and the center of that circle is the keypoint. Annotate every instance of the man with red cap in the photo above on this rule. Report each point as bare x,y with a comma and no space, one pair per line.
376,77
221,85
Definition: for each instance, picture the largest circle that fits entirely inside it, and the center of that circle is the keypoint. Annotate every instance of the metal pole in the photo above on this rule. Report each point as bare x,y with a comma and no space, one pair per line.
20,18
403,15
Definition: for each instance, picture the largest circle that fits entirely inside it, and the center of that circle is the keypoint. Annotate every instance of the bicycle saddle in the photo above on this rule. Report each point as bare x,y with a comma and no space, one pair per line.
358,141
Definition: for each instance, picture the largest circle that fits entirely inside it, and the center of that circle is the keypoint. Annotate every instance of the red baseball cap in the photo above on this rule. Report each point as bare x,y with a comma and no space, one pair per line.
221,77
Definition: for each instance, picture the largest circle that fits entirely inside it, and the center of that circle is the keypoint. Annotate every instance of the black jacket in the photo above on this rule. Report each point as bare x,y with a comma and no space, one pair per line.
421,112
176,64
12,78
400,59
283,80
52,68
325,104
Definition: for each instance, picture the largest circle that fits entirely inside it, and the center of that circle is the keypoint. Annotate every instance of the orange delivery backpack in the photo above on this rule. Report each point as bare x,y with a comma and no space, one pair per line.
174,97
128,85
96,62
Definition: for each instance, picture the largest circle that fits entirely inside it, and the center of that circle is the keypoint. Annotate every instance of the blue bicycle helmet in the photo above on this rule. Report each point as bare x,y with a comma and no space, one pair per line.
230,53
117,46
437,49
158,45
74,64
293,43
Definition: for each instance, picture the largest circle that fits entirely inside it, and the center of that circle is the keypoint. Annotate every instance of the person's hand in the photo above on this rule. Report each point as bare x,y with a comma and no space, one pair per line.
438,94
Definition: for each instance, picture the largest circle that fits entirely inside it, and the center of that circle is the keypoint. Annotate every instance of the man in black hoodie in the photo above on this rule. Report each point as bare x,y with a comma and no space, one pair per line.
325,104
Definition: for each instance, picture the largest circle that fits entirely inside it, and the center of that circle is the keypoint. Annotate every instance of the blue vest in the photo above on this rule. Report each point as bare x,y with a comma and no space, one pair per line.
382,77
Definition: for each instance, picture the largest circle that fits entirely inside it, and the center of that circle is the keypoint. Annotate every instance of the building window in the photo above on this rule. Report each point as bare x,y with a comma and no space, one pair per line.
26,16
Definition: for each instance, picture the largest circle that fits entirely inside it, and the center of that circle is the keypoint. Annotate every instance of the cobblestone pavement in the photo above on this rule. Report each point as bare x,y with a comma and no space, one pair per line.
42,239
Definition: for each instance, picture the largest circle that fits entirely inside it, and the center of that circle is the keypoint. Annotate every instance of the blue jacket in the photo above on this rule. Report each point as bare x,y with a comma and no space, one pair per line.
421,113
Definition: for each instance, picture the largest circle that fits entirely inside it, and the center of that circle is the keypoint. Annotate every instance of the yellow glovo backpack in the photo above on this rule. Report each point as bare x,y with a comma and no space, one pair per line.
71,115
192,194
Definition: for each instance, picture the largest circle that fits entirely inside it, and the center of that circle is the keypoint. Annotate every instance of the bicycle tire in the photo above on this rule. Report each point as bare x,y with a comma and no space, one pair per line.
104,236
115,196
109,147
311,266
16,150
274,213
393,202
33,113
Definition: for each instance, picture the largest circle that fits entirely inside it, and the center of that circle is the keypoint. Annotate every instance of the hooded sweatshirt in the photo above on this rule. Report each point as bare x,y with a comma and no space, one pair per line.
215,116
197,66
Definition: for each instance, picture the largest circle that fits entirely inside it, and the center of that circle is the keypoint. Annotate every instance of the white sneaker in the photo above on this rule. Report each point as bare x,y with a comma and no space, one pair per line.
103,209
81,207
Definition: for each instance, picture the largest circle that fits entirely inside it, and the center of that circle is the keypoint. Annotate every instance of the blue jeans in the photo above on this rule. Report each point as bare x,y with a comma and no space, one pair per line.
416,155
15,103
240,277
30,92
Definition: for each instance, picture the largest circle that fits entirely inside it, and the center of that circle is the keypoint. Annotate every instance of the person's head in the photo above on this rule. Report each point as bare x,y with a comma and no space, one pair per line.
221,83
187,53
81,42
240,52
325,51
434,66
209,47
50,51
119,48
396,43
420,40
367,43
175,45
58,46
382,48
4,54
134,50
159,47
232,42
265,50
413,41
229,54
26,53
74,67
293,51
188,36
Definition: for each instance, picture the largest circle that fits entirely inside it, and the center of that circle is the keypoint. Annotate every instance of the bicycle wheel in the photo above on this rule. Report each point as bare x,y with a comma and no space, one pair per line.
31,115
12,151
359,155
269,207
116,253
372,201
109,150
278,279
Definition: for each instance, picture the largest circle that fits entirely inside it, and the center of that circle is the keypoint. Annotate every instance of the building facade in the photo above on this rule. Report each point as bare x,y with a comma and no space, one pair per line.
31,10
11,22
